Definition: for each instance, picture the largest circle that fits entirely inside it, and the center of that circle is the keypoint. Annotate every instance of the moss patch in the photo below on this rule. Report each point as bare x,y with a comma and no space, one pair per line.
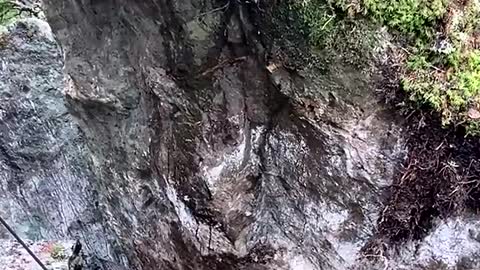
412,17
335,34
442,67
58,252
444,72
8,11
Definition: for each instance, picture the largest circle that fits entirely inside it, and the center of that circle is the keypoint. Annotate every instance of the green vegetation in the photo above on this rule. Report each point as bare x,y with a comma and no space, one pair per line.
334,34
442,67
8,11
58,252
414,17
445,74
321,20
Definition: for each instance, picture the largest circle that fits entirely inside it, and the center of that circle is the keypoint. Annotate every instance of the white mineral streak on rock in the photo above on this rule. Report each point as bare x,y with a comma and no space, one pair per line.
229,162
448,243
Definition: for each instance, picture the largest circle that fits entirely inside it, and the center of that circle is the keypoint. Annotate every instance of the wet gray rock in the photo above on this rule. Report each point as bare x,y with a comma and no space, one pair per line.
452,244
46,179
206,159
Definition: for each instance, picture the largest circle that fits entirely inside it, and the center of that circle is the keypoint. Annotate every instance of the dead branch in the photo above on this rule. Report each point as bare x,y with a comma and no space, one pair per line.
222,64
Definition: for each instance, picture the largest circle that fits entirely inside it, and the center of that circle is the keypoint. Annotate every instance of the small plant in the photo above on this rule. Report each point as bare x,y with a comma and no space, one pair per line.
8,11
443,40
448,79
320,19
58,252
414,17
443,73
333,34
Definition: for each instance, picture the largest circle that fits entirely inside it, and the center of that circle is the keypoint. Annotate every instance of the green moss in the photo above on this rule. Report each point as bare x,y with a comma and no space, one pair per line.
456,72
320,19
418,62
334,35
446,79
8,11
442,69
414,17
450,93
58,252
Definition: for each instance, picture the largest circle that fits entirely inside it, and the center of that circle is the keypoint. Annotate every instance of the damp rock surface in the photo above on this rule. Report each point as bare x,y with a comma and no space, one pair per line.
209,160
46,181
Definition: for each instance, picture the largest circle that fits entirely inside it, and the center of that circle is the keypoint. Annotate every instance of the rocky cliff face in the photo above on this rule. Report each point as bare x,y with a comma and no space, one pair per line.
209,157
183,137
45,170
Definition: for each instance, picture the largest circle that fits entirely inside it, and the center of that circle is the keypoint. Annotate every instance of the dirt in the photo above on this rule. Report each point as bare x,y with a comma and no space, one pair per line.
440,179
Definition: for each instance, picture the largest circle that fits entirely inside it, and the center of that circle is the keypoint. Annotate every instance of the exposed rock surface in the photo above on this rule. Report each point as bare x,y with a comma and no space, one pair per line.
194,151
453,244
207,159
53,254
45,177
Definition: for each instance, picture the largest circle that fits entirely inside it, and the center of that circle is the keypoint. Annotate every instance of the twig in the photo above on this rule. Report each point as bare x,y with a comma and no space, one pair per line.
407,172
405,50
328,21
436,68
213,10
221,64
410,115
438,147
468,182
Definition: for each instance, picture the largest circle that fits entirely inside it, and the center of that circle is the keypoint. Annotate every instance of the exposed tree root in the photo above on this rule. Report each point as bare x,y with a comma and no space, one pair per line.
441,178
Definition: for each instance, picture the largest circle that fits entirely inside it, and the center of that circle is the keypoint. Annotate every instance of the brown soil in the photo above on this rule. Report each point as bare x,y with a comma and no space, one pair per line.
440,178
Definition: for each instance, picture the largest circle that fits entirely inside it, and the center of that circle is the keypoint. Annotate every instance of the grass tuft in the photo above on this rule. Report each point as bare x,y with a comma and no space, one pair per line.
443,44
